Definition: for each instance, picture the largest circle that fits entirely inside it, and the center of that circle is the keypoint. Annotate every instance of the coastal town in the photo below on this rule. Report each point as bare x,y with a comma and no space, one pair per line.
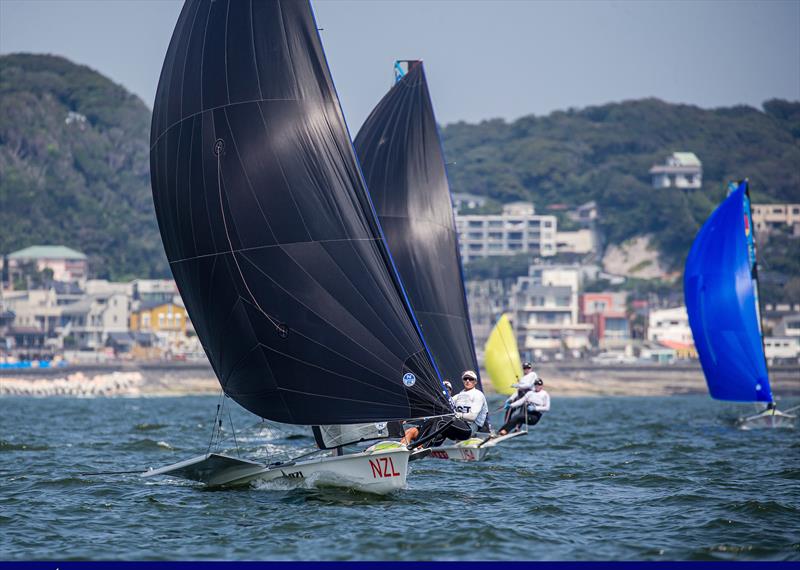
569,304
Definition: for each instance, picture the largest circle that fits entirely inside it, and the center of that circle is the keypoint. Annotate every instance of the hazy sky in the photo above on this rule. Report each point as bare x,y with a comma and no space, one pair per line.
483,59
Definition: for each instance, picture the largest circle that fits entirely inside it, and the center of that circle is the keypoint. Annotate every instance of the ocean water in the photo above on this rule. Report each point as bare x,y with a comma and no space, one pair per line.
616,478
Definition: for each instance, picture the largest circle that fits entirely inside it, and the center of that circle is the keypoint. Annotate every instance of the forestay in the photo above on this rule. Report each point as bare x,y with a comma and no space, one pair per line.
269,229
403,164
721,290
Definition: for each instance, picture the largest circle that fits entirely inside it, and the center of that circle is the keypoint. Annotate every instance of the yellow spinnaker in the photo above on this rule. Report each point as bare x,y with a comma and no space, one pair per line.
502,357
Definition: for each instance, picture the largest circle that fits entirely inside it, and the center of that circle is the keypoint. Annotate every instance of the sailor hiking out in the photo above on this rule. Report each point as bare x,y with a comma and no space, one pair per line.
529,407
471,414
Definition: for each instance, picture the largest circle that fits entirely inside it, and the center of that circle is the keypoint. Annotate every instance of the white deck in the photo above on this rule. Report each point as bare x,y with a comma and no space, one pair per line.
474,449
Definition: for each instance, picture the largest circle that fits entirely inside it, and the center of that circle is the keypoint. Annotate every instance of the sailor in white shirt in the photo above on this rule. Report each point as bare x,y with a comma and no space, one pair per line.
470,404
532,405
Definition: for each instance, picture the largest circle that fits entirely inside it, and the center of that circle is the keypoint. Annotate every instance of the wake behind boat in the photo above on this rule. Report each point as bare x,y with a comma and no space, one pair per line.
721,291
275,247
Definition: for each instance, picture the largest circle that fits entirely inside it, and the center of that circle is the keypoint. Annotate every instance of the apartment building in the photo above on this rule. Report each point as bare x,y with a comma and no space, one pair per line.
518,229
771,217
606,313
545,309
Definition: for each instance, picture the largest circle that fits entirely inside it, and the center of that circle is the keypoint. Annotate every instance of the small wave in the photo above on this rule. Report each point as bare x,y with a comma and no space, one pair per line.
147,445
762,507
8,446
149,427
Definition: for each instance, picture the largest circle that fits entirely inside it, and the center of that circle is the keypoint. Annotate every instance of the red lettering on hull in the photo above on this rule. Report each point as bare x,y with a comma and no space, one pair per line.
383,467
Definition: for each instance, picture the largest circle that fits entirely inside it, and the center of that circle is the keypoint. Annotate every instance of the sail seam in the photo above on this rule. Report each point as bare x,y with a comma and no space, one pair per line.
260,247
193,115
247,177
255,55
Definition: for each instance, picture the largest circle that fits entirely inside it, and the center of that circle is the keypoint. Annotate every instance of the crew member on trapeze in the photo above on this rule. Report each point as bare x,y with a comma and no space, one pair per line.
472,412
532,405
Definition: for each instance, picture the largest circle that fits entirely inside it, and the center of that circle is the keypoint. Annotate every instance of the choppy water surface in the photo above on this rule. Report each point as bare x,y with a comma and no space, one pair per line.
620,478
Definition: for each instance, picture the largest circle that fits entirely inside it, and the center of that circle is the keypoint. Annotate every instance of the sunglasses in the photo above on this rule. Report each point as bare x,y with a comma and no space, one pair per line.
468,380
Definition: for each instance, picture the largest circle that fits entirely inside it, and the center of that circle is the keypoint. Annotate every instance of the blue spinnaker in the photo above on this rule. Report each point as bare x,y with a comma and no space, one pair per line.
721,292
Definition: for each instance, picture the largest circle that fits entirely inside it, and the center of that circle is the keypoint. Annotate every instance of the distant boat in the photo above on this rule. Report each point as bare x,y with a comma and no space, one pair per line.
403,163
721,291
276,249
501,356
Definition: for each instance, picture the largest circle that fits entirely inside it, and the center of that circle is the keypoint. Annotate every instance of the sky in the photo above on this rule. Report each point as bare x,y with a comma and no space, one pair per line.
483,59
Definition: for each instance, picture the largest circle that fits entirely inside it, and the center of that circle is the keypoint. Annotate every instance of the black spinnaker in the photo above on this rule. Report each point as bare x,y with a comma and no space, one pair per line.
403,163
269,229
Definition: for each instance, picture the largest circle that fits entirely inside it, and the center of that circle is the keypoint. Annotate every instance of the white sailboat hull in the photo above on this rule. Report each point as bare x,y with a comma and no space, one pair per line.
380,471
768,419
472,449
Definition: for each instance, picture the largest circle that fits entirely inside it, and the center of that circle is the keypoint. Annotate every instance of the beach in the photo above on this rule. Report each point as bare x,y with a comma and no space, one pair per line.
562,379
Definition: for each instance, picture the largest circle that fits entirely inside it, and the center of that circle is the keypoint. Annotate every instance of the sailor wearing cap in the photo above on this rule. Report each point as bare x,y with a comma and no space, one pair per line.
528,377
532,405
470,404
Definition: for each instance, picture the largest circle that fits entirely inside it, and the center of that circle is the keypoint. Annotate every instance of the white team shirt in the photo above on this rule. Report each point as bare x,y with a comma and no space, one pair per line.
526,382
472,406
538,401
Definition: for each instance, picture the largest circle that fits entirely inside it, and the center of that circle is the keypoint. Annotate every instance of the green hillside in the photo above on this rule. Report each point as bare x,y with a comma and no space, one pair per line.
74,165
604,154
79,179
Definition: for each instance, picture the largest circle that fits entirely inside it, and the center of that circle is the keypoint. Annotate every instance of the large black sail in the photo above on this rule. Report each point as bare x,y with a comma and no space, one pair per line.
401,157
269,229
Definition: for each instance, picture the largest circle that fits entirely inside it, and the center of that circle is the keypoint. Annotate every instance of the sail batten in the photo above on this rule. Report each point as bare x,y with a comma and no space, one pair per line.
269,228
721,293
403,164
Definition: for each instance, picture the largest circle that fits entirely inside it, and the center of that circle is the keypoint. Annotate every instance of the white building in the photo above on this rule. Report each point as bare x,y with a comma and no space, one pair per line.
680,170
771,217
545,309
670,326
781,348
517,230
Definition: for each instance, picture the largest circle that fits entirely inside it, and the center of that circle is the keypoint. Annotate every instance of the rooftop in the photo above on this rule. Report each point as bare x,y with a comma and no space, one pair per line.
47,252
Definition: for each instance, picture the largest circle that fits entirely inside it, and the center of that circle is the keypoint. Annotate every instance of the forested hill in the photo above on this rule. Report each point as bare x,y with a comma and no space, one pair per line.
604,154
74,166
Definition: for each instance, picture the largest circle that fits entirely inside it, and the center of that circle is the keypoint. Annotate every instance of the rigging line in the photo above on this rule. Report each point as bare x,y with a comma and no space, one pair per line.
233,430
214,425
